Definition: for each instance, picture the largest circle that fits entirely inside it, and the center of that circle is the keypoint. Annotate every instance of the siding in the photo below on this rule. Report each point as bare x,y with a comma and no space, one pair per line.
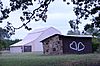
82,42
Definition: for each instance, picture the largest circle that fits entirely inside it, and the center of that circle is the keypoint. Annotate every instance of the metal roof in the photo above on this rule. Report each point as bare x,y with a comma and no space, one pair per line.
86,36
31,36
79,35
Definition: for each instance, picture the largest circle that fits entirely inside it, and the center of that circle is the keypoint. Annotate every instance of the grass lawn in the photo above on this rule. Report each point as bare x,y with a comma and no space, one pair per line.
30,59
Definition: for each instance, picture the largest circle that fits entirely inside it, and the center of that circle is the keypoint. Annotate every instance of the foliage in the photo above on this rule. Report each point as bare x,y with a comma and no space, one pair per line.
86,9
82,9
29,59
74,25
95,44
4,44
90,29
75,32
36,14
3,34
98,49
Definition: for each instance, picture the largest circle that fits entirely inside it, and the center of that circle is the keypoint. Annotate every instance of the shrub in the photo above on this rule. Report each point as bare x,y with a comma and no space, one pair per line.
98,49
95,44
0,52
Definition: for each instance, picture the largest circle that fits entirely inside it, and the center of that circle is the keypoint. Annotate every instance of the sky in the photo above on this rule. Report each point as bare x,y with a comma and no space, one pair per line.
59,13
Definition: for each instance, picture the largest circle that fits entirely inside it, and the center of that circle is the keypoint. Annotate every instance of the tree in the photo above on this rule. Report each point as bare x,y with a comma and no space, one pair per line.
10,42
75,28
82,9
71,32
4,44
90,29
3,34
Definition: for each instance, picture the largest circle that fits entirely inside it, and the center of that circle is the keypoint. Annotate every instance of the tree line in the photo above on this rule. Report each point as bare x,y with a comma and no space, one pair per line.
5,44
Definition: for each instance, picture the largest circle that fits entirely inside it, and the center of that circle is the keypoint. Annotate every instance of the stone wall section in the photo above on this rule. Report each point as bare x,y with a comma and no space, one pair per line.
53,46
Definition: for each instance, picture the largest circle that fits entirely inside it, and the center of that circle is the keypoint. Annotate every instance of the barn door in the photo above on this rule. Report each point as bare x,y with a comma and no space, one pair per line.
27,48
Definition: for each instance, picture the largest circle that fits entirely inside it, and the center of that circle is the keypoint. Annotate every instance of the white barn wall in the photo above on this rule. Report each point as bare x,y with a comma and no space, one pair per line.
16,49
38,45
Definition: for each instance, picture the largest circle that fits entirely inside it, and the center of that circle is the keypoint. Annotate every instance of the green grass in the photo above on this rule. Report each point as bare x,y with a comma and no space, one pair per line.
30,59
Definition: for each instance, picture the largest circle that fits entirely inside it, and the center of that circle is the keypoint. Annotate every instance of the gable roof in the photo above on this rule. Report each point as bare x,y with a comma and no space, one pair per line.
29,38
32,36
40,30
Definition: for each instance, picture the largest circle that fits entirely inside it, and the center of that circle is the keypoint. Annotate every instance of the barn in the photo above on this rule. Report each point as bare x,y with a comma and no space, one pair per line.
31,43
69,44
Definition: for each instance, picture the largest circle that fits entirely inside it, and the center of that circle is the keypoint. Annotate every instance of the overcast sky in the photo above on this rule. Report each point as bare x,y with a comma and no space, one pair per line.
59,13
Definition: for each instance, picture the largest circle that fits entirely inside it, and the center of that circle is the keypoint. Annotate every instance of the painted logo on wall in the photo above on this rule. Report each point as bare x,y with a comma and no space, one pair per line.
77,46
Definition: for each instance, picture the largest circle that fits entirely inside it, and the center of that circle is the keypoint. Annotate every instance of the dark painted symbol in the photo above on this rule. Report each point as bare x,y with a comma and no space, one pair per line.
77,46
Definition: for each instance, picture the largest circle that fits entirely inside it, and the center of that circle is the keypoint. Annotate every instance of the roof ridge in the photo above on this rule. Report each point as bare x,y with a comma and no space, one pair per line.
39,30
